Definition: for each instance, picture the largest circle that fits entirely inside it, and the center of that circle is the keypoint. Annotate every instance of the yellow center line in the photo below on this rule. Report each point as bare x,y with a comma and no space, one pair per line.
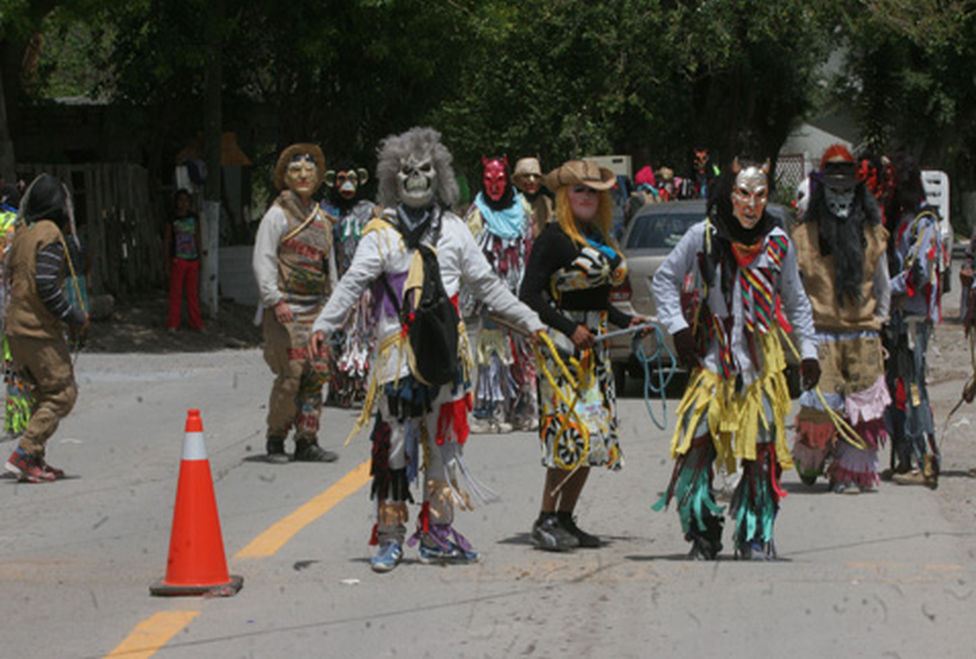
153,633
275,536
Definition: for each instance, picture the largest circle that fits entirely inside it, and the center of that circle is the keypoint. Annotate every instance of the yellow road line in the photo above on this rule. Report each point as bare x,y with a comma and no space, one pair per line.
152,633
275,536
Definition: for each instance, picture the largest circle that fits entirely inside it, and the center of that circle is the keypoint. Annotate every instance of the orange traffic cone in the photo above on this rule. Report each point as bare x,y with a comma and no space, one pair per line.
197,564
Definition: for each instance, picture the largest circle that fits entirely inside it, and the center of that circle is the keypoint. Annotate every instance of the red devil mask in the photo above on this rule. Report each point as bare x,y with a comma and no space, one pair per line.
495,177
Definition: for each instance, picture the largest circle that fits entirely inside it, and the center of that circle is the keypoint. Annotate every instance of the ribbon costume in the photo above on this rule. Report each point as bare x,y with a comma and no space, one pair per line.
841,247
417,425
501,222
737,398
18,400
294,266
351,211
915,260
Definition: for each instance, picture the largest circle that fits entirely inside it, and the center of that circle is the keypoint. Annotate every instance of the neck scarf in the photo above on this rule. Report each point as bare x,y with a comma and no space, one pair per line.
505,223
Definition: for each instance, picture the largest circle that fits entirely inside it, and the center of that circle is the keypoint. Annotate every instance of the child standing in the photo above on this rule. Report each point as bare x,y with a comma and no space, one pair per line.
182,244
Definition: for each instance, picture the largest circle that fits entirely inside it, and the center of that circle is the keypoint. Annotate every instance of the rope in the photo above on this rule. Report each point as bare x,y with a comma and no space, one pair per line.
844,429
650,388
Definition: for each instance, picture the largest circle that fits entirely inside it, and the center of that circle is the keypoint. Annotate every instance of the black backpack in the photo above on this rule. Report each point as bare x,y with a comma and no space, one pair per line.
431,323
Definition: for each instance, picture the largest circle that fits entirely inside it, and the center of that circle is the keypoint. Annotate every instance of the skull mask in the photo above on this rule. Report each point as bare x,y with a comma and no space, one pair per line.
749,193
417,181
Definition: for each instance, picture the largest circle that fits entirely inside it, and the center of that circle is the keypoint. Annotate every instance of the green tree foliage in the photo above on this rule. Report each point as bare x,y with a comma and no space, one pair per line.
909,76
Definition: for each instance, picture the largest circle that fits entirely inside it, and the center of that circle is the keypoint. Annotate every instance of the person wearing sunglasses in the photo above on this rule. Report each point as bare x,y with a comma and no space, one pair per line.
573,265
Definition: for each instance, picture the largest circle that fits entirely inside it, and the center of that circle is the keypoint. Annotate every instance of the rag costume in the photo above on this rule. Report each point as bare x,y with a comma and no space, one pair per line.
37,269
18,401
915,258
350,212
501,223
527,177
737,398
841,249
293,262
417,424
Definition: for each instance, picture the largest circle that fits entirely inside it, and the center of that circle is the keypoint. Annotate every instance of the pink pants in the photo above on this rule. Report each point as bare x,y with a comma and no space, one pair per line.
184,274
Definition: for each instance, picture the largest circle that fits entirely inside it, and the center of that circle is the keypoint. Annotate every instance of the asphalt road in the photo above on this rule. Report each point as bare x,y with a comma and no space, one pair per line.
886,574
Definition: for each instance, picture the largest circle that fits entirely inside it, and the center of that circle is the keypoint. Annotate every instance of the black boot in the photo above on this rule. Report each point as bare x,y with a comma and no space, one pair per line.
706,545
275,447
586,540
308,450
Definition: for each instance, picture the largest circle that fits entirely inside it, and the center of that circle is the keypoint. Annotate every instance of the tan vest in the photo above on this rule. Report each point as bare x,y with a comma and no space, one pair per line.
818,280
303,255
26,314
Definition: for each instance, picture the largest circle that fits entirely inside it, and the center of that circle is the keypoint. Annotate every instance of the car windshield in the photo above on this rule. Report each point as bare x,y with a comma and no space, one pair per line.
660,230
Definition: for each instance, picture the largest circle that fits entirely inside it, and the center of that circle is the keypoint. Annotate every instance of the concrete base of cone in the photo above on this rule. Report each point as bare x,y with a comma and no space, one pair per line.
163,589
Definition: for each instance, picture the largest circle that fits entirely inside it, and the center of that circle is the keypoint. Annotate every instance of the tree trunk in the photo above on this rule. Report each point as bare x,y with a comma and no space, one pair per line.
211,154
7,161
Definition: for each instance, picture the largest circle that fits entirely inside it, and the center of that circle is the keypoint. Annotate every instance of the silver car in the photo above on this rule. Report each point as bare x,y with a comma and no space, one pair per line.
654,230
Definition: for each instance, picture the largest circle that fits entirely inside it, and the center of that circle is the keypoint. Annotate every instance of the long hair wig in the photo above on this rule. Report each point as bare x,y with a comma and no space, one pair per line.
420,142
602,221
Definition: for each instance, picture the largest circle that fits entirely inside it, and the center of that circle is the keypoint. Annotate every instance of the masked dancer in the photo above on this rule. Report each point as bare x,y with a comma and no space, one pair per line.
841,247
294,266
414,257
38,269
737,398
501,222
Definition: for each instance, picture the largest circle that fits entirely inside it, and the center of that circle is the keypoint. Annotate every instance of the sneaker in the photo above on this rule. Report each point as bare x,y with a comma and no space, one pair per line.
548,534
387,556
479,426
431,553
754,551
275,446
586,540
29,469
308,450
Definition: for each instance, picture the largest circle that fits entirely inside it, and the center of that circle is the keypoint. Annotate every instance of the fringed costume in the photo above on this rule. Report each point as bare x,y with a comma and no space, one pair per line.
352,344
737,399
916,287
505,392
841,249
18,397
419,430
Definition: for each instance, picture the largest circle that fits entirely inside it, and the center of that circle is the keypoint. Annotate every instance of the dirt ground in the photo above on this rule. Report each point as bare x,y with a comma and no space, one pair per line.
139,325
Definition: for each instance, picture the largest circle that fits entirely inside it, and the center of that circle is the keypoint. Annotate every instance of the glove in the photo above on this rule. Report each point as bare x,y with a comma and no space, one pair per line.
687,348
810,373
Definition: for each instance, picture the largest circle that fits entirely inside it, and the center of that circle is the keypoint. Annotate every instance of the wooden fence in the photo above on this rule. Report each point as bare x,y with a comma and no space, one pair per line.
118,219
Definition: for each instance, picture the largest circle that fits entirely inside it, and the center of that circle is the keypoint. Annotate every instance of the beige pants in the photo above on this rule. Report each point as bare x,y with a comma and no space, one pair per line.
46,365
296,396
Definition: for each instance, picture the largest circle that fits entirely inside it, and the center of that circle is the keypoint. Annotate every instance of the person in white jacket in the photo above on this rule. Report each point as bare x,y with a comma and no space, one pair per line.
416,187
737,398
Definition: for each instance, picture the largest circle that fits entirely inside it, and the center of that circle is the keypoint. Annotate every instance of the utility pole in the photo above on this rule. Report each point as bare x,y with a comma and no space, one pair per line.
211,154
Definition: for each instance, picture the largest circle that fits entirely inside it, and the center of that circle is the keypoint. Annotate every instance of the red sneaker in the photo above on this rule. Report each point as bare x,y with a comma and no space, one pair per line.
30,469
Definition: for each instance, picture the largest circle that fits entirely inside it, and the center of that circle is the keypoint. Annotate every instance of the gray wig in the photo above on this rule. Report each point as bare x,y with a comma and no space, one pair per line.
420,142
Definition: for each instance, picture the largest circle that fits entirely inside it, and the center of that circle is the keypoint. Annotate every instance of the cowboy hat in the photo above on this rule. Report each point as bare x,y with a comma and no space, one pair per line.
580,172
527,167
289,154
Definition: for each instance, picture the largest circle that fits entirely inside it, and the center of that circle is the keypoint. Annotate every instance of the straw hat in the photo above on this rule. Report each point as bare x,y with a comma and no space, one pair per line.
527,167
299,149
580,172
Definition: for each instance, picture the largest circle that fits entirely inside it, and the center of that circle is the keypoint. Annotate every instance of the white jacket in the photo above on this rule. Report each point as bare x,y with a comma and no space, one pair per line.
381,252
683,260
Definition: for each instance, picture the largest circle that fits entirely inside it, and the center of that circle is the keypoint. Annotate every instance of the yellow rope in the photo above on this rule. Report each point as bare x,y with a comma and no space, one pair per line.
577,384
844,429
